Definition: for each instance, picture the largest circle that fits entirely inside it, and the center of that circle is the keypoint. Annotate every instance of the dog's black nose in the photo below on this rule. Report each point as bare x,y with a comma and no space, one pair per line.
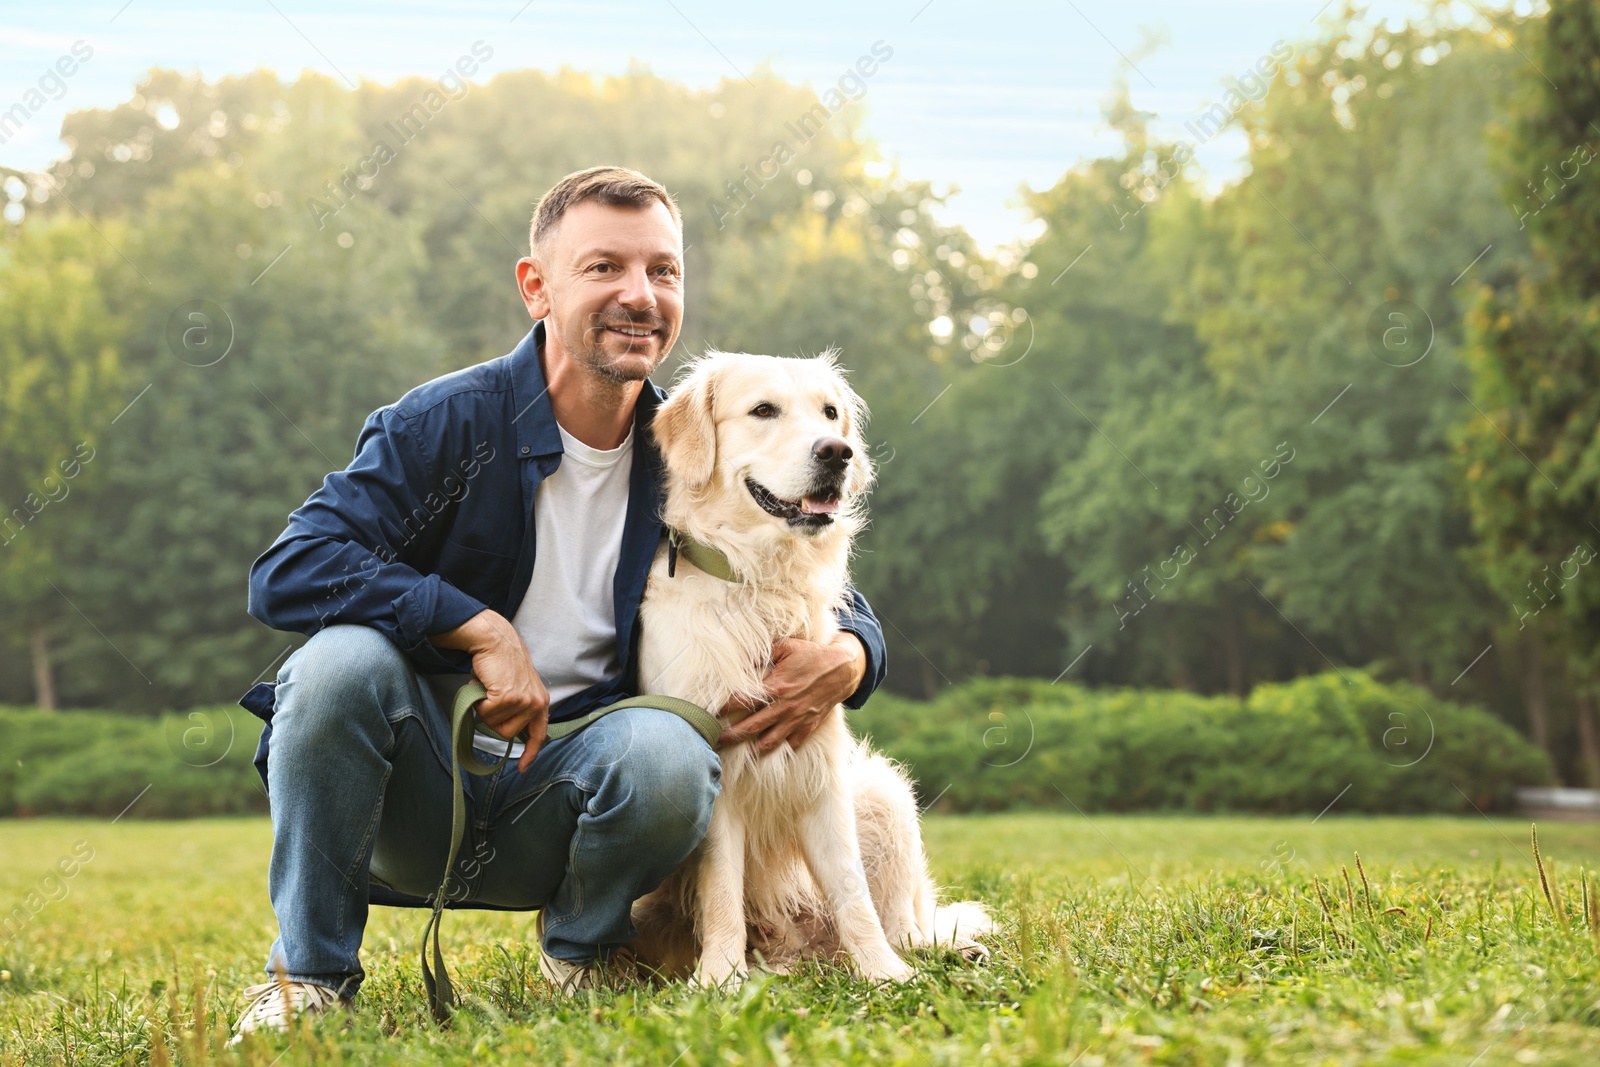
833,453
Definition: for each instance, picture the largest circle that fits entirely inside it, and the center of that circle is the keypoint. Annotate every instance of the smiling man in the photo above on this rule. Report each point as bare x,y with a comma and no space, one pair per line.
500,522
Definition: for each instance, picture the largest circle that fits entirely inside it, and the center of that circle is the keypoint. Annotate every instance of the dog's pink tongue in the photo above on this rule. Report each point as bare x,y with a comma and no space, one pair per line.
813,506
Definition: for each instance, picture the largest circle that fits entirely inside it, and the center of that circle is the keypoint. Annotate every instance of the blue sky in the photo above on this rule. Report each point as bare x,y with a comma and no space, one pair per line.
981,95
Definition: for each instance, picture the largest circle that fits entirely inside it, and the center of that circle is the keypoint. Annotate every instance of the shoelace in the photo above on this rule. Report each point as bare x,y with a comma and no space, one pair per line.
271,1003
569,978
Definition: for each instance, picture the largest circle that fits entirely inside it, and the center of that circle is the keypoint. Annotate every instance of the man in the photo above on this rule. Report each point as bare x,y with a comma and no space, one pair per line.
501,521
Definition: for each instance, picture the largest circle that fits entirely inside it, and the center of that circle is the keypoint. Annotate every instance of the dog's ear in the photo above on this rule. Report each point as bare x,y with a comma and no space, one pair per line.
685,431
862,473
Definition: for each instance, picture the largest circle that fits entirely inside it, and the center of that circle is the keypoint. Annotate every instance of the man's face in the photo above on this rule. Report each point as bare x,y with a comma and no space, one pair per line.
608,281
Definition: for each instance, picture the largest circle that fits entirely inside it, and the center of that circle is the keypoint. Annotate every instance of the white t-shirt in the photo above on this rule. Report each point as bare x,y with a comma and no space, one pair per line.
567,619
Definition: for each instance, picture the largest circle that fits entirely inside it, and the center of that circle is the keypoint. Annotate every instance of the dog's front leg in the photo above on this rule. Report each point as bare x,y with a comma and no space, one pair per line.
719,902
833,853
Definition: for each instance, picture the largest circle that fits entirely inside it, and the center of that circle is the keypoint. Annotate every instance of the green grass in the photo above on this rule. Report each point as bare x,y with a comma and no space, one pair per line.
1132,939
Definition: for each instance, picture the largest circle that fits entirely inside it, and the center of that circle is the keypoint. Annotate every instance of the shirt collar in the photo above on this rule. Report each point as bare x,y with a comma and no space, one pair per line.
535,418
537,434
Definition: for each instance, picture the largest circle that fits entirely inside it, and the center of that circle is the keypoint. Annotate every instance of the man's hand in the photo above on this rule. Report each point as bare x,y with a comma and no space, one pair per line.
806,682
517,696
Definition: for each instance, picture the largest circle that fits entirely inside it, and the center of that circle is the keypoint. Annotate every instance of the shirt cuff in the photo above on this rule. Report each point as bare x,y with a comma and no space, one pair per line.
870,678
433,606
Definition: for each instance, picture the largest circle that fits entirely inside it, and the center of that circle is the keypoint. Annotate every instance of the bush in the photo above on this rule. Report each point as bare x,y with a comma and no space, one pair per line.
997,744
989,744
96,763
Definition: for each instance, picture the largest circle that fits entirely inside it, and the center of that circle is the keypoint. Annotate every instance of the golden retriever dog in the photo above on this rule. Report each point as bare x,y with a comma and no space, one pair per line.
815,851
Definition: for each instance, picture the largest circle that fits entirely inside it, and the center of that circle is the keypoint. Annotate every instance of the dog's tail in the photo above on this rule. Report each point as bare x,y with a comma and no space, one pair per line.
958,927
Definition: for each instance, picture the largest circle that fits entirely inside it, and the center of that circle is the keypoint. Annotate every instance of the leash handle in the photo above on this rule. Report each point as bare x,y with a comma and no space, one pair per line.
464,725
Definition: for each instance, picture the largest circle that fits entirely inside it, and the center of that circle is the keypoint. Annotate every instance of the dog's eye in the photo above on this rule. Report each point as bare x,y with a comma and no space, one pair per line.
763,410
830,411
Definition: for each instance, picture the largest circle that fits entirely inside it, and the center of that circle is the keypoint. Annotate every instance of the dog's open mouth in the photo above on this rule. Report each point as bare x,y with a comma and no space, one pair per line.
814,509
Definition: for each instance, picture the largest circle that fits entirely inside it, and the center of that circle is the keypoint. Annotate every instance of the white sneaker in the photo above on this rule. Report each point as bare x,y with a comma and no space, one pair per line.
571,978
274,1005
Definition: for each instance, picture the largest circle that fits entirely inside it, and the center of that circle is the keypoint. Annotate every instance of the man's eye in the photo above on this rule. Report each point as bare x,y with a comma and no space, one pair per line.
830,411
763,410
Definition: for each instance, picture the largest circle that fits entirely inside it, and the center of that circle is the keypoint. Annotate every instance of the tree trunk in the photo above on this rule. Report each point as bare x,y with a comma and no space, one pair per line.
1181,678
1533,695
1588,742
44,675
1233,648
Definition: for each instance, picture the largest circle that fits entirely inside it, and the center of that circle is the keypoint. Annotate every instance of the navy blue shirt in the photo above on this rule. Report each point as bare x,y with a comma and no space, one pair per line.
432,522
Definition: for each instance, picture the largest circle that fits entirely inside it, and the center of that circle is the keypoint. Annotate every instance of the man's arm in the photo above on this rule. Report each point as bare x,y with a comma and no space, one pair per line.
517,697
808,680
857,618
333,563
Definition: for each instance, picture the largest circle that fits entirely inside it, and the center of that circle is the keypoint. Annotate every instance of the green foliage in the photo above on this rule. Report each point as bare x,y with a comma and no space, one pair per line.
1003,744
1374,156
61,383
339,297
987,745
1125,941
94,763
1531,449
204,470
1060,427
1158,347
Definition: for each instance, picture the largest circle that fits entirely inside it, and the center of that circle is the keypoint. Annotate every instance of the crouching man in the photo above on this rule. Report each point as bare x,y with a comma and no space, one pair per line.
500,522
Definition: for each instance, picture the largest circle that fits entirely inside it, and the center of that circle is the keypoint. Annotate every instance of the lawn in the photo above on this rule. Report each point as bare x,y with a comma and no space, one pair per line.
1128,939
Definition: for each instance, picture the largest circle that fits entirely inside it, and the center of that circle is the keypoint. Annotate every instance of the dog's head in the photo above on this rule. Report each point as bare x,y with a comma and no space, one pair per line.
762,440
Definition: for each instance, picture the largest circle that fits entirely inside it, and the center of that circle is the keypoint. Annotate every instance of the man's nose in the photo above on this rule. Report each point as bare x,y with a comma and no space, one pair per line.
636,290
833,453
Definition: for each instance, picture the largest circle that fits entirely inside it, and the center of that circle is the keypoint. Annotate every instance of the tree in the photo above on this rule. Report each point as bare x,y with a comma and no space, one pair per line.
337,294
1530,449
61,384
1368,186
235,434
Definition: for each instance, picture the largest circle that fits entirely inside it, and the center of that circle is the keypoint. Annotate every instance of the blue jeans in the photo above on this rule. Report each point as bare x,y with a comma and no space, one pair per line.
359,781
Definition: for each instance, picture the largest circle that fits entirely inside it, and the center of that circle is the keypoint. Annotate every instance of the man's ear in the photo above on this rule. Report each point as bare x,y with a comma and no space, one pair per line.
685,431
531,284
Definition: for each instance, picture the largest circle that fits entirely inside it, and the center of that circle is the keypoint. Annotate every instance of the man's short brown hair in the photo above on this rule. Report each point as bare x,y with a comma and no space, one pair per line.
612,186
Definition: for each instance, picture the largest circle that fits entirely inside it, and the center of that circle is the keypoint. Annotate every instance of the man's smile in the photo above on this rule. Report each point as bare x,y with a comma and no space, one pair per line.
630,334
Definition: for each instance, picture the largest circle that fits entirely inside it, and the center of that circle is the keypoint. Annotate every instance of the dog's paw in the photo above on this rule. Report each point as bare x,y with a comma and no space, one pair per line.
893,969
972,951
720,980
755,962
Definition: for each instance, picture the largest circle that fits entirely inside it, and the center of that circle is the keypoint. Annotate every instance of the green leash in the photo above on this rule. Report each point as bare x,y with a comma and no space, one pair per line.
464,725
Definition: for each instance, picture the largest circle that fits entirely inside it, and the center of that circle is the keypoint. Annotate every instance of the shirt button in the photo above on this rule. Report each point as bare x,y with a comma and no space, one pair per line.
526,450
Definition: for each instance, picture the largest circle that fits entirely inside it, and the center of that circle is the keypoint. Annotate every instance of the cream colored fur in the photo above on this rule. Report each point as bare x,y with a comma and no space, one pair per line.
812,851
